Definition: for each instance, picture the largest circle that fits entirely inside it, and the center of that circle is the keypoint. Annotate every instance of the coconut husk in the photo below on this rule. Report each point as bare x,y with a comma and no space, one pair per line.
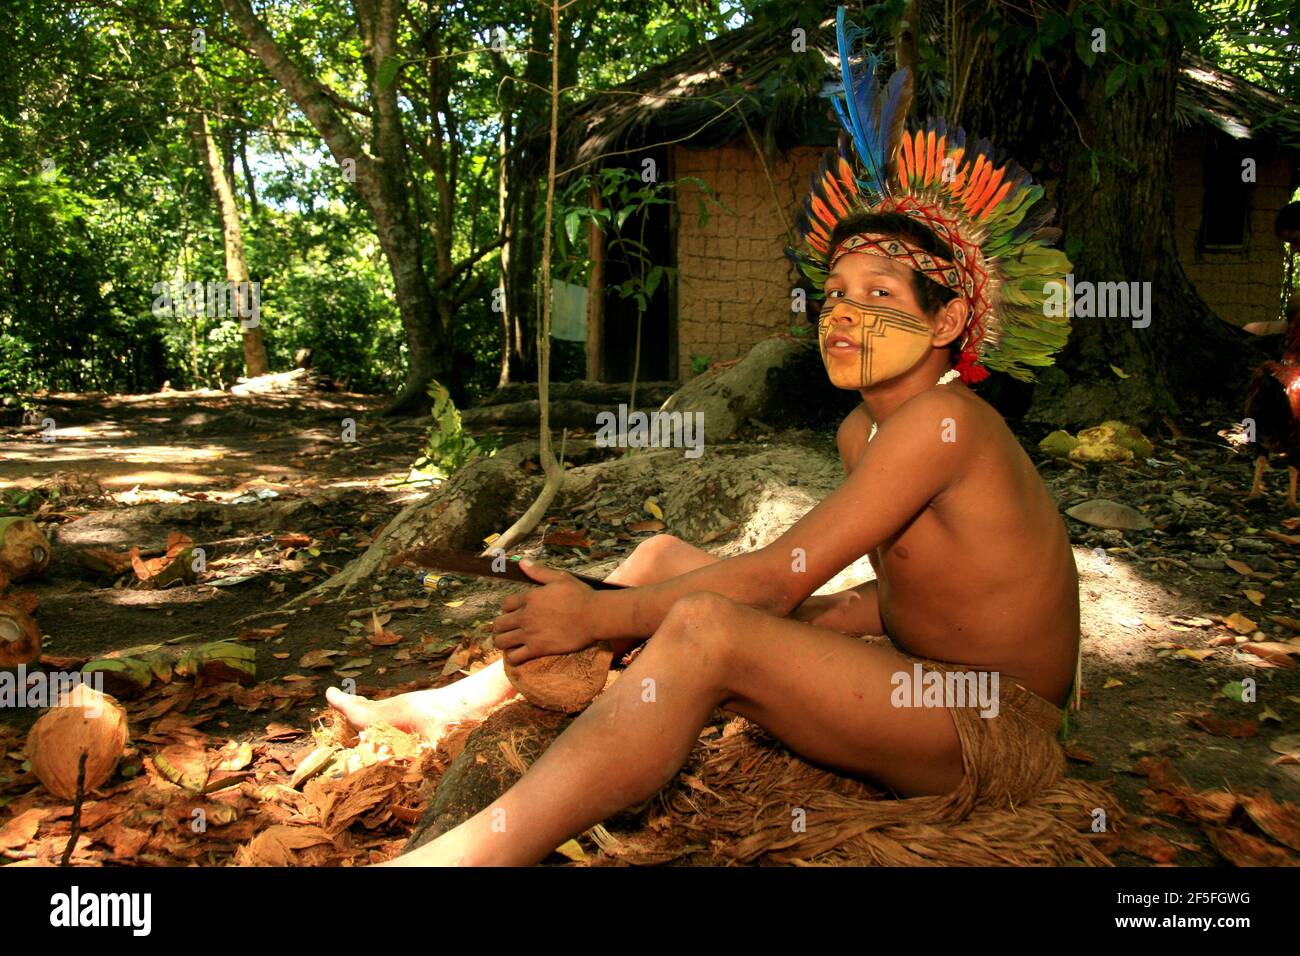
496,755
1014,807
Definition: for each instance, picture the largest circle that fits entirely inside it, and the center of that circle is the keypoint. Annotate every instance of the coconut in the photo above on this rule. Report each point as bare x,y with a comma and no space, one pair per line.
84,721
20,638
24,550
565,682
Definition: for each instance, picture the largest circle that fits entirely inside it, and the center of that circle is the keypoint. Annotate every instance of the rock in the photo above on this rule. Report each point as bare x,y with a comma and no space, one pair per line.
1207,564
781,381
1256,545
1104,513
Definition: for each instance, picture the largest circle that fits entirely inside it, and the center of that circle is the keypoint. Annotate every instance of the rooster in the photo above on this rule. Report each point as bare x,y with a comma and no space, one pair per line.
1273,403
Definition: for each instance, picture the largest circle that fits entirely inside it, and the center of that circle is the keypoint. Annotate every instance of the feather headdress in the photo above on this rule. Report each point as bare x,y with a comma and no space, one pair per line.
990,213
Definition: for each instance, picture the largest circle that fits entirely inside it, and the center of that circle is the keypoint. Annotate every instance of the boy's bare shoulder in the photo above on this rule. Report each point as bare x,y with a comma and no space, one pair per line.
960,419
851,438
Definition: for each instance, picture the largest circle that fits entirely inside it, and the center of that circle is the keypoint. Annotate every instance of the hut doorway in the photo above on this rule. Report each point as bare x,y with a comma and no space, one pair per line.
655,226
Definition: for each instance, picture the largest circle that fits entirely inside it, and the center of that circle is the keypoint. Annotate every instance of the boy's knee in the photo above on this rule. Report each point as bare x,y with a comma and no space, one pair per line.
702,622
658,548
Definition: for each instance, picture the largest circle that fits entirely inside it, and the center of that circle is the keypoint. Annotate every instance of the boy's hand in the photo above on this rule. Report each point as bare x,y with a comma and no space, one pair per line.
555,619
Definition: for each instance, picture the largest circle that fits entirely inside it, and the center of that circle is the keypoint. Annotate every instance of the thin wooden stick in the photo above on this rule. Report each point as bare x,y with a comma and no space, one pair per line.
76,810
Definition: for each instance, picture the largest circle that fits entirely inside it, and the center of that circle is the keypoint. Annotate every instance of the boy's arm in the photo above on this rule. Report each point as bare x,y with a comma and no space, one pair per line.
906,466
1264,328
855,610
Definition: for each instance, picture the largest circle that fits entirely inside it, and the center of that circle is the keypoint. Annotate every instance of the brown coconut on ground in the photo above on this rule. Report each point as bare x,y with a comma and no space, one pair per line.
24,549
84,721
20,636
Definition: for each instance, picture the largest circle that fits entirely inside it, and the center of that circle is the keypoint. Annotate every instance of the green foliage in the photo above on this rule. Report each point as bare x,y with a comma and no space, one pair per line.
448,447
699,364
102,195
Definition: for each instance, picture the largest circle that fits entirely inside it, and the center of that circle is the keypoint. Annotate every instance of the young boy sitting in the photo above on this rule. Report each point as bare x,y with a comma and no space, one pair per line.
926,251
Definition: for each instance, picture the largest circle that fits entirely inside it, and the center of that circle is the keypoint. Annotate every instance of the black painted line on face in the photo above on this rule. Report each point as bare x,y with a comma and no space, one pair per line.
900,319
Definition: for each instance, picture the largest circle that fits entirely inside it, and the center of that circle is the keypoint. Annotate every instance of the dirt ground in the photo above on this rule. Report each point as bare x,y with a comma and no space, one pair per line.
1169,614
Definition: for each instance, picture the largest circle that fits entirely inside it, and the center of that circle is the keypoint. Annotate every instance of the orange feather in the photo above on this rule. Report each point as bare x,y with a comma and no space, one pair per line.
835,197
977,177
910,155
986,192
1000,195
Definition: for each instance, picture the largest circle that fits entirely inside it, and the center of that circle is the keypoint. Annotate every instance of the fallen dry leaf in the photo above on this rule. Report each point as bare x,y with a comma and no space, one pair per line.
20,830
1273,651
1242,849
1224,727
409,604
235,755
1281,821
638,527
318,658
567,539
1240,623
185,765
1148,845
172,566
275,845
261,633
377,635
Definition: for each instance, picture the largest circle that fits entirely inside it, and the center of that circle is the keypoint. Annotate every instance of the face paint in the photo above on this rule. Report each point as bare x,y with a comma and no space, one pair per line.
883,342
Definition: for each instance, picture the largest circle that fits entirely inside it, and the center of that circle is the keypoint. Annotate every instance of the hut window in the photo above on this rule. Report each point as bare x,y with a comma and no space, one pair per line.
1227,198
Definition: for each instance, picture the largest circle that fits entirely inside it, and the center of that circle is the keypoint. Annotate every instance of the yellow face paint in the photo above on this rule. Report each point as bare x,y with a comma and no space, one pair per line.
882,343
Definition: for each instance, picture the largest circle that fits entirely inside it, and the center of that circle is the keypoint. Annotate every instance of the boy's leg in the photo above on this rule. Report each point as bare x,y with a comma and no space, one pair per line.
827,696
431,712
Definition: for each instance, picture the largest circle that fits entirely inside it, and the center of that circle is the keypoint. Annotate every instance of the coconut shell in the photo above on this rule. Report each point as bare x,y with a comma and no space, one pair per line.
565,682
20,638
84,721
1104,513
24,549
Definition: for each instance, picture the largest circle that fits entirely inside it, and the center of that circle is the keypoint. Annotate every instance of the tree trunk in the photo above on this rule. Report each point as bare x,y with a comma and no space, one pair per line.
1108,164
596,296
381,182
215,171
503,228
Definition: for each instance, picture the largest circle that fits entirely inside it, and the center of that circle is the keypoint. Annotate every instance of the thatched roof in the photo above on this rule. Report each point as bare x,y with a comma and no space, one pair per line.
1236,106
700,97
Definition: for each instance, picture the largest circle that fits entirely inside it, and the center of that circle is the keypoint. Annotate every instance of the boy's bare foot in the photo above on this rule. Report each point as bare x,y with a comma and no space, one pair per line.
429,713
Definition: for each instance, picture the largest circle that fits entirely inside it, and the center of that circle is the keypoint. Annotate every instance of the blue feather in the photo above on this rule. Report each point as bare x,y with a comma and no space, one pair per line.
871,118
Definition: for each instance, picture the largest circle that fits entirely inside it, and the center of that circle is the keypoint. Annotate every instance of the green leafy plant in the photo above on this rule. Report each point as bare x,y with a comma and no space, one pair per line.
448,447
